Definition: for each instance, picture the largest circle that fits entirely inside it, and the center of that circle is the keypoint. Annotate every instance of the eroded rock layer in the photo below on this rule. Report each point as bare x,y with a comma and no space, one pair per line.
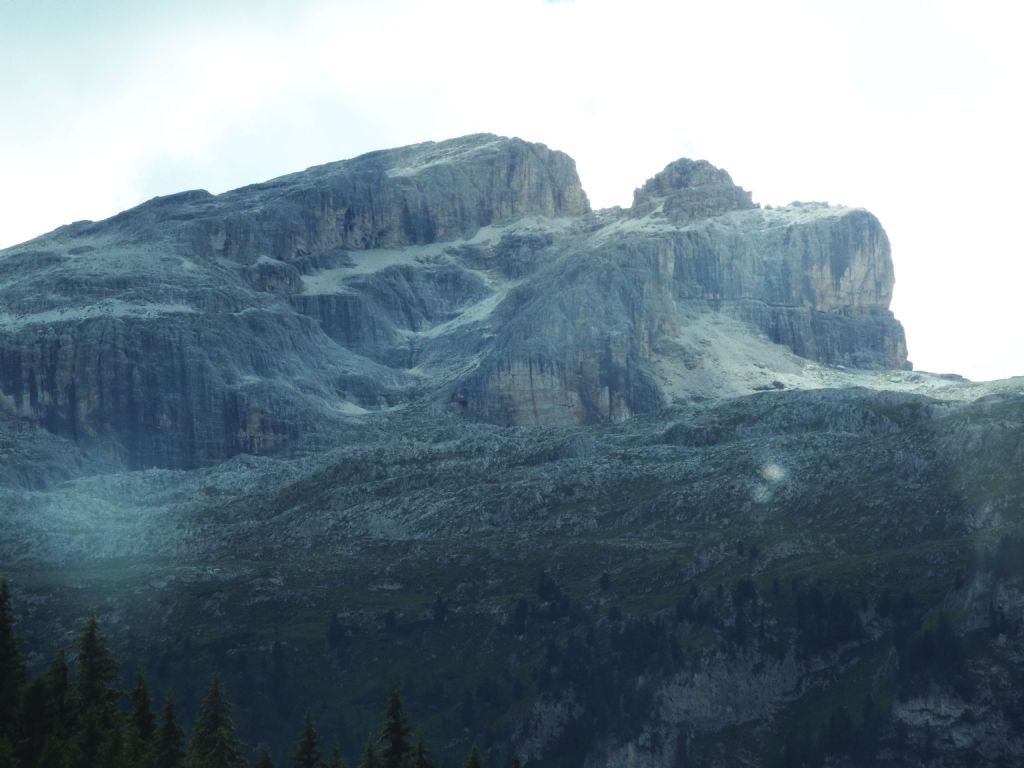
469,273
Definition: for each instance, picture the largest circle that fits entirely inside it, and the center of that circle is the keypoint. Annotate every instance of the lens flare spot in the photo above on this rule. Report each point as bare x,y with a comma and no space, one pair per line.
773,473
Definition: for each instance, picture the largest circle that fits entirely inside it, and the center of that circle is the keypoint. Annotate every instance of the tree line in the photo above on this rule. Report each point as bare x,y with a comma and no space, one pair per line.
75,716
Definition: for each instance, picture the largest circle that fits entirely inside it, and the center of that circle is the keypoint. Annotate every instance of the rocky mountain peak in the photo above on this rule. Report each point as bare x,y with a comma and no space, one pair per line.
425,193
467,274
688,190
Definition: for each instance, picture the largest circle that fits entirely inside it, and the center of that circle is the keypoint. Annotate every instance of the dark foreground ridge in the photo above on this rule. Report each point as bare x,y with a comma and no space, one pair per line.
81,717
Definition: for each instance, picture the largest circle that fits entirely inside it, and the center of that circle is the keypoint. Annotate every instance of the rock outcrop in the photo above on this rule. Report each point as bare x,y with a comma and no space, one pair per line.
689,190
596,336
469,272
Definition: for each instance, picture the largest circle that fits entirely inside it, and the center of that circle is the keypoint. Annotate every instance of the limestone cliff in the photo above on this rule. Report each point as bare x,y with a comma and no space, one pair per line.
470,273
688,190
619,324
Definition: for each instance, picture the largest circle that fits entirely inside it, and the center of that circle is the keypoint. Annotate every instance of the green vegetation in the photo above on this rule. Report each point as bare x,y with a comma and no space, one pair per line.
557,629
535,603
91,722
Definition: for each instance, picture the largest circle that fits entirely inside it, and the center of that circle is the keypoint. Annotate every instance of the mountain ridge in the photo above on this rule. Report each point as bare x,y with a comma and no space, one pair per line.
471,272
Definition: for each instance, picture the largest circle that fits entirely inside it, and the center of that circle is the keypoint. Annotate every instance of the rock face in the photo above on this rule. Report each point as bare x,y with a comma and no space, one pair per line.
615,326
469,273
689,190
426,193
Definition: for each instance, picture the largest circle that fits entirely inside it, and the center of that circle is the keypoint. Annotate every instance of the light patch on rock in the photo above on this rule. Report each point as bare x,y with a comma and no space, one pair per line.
108,308
431,155
350,409
366,262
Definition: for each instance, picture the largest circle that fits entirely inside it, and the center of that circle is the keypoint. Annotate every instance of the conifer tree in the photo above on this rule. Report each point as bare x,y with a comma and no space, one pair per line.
95,668
369,758
264,761
34,722
12,665
115,750
307,750
213,743
420,756
54,754
7,759
141,726
515,761
169,739
96,734
474,760
394,738
96,740
336,760
58,685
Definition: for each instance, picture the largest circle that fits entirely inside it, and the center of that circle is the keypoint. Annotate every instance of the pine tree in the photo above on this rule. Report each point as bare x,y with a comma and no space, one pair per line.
54,754
44,720
169,739
34,722
7,759
515,761
307,750
336,760
474,760
95,668
96,734
213,743
58,685
264,761
96,739
394,737
12,665
420,756
369,758
141,726
115,752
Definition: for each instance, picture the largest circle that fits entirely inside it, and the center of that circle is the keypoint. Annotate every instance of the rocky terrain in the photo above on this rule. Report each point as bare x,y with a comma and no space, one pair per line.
469,273
632,487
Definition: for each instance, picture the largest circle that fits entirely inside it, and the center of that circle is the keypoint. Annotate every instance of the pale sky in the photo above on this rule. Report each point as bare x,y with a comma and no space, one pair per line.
910,109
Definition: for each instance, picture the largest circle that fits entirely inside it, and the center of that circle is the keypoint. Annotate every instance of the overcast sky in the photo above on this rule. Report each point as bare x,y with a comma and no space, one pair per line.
910,109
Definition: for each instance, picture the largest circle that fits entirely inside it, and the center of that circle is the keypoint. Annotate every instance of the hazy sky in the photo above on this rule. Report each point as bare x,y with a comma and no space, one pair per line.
910,109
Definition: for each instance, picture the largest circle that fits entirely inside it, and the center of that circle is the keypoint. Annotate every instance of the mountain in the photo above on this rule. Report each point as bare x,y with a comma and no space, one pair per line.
650,486
469,273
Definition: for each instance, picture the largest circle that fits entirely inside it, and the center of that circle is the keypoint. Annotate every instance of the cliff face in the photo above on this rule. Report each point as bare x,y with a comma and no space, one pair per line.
618,324
425,193
690,190
469,272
